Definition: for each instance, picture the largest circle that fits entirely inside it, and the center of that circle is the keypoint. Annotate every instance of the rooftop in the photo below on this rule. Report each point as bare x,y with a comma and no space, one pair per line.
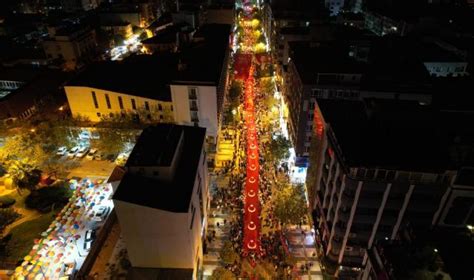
131,76
166,137
158,142
311,60
434,53
401,135
204,59
164,36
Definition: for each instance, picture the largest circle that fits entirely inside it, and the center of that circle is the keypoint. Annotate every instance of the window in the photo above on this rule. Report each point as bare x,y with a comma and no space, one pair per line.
193,211
171,107
147,106
94,98
134,106
98,114
193,105
107,100
160,108
192,94
120,102
161,117
194,116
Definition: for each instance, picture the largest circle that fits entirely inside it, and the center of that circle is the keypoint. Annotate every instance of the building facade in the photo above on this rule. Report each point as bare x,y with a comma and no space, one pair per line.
327,72
361,193
163,199
70,45
96,104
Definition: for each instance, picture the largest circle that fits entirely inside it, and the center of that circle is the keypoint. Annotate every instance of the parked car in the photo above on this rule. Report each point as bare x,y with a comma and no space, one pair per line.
72,152
61,151
90,235
87,245
99,156
82,152
110,157
92,153
101,213
69,269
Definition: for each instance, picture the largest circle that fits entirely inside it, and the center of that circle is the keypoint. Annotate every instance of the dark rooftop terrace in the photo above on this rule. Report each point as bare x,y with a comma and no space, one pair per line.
397,134
175,195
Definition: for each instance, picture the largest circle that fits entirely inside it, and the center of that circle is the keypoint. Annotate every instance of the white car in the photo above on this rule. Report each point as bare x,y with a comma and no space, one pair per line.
72,152
82,152
61,151
91,154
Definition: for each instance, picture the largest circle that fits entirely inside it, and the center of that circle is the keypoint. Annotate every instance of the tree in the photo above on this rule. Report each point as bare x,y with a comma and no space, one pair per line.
109,142
290,203
265,270
24,175
45,198
24,147
235,92
228,254
7,216
279,148
221,273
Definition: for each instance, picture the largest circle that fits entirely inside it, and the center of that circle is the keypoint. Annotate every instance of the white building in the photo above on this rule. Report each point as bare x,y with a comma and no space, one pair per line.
162,202
197,92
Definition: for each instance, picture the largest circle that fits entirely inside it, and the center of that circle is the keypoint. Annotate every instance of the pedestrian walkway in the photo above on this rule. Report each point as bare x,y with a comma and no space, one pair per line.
302,247
211,257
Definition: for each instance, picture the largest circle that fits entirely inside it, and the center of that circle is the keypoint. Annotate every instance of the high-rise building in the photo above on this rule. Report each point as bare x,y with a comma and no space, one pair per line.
162,202
378,164
353,68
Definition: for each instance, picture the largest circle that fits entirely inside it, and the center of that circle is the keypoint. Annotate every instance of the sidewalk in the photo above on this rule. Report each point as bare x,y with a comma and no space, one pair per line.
302,247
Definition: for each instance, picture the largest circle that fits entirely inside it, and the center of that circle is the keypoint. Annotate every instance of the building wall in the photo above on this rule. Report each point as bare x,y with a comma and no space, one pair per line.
206,107
356,206
301,100
82,104
71,48
155,238
221,16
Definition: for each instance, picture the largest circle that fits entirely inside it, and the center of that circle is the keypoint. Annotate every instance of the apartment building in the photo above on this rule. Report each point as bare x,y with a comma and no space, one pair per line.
197,91
342,70
71,46
162,203
376,165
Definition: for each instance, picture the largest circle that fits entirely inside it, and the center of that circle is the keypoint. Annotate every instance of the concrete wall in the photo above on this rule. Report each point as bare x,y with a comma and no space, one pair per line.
155,238
81,103
207,107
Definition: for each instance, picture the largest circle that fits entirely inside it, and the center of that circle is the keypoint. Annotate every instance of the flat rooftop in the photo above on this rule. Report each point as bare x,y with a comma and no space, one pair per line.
157,141
144,76
145,152
402,135
204,60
